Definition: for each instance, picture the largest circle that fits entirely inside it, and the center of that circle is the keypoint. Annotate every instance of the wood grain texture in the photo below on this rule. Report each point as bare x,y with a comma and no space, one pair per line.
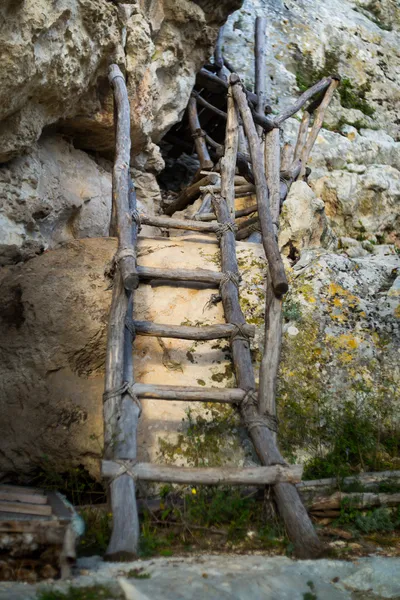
186,393
260,56
206,476
198,135
126,255
208,332
197,275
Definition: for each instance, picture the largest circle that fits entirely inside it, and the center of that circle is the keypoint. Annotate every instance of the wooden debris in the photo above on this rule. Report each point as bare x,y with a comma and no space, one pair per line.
260,54
190,194
198,135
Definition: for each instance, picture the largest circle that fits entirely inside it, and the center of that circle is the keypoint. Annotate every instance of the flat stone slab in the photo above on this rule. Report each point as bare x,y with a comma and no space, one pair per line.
235,577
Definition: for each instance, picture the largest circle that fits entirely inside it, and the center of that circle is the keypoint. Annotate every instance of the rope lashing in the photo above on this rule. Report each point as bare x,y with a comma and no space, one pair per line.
240,333
235,278
136,218
224,227
126,466
265,420
129,324
199,133
125,388
123,253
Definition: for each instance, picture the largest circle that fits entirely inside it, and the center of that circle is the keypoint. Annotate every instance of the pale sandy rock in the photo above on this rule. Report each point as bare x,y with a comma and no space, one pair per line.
53,320
303,222
55,58
55,193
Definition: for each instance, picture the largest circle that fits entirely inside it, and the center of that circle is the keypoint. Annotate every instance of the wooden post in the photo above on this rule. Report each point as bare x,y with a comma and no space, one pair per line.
198,135
126,255
273,304
218,56
317,124
275,263
260,55
120,412
228,161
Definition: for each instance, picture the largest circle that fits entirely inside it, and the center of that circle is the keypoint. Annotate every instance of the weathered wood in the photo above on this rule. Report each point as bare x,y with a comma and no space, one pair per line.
243,212
273,304
215,84
370,481
197,275
218,57
11,496
250,226
268,123
302,135
228,161
205,475
190,193
316,126
187,394
260,55
25,508
208,332
214,109
198,135
300,529
275,264
286,156
121,413
355,500
126,255
179,223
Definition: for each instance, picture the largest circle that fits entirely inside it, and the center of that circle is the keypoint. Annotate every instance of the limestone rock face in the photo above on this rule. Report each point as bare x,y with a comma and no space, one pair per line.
340,361
55,58
55,193
53,321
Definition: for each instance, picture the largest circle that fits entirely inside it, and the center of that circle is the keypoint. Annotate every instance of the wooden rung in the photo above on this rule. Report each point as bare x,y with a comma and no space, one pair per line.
26,508
243,212
197,275
183,393
207,476
179,224
12,496
208,332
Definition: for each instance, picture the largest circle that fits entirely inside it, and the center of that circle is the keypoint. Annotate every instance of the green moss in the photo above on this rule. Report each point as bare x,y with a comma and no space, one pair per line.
95,592
351,96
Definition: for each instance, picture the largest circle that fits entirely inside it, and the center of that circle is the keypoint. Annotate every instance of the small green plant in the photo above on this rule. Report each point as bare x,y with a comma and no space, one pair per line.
95,592
310,595
138,574
291,310
97,531
379,519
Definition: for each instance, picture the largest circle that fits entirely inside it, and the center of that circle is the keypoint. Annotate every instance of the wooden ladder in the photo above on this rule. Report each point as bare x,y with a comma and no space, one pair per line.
122,394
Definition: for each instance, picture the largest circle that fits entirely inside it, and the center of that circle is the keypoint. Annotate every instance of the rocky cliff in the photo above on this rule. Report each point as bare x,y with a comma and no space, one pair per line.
339,234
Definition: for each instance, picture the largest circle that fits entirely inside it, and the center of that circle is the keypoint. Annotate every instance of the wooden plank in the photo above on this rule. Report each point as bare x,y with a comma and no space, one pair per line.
275,264
355,500
22,489
179,223
208,332
302,135
197,275
370,480
206,476
126,255
25,508
12,496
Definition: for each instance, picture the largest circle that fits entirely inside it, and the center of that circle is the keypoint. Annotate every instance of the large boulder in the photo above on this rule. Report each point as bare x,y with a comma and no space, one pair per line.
55,193
55,57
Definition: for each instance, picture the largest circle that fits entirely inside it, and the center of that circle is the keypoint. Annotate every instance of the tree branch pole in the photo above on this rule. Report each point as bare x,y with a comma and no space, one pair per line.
273,304
126,255
316,126
228,161
302,135
260,55
198,135
218,57
275,264
270,123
